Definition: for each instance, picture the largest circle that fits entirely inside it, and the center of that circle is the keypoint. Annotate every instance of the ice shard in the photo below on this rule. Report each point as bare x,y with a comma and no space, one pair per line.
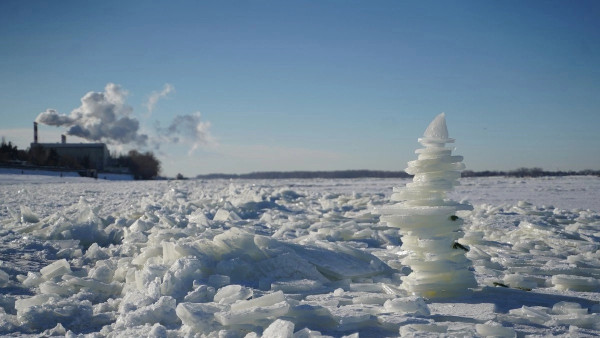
427,219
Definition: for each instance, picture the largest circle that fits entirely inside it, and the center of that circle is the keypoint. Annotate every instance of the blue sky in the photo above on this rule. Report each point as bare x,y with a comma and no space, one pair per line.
315,85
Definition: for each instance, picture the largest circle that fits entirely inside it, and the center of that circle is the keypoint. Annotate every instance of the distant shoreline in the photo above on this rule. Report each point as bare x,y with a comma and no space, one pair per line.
305,174
521,172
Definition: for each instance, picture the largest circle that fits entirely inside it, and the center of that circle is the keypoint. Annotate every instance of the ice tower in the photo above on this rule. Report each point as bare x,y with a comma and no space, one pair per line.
427,219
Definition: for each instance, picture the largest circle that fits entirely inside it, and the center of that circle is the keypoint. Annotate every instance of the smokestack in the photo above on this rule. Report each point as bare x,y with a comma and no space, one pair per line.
35,133
63,138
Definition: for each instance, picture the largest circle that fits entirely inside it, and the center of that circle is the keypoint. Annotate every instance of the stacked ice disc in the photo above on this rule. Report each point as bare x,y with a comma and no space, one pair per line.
427,219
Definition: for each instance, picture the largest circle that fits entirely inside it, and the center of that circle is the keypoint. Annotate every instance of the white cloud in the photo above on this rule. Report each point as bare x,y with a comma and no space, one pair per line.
188,129
155,96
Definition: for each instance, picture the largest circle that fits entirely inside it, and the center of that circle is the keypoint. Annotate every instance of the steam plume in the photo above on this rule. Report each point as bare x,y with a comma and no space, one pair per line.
102,116
52,118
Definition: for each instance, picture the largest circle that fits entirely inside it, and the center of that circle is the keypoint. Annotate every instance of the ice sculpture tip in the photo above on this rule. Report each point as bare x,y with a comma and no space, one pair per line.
437,130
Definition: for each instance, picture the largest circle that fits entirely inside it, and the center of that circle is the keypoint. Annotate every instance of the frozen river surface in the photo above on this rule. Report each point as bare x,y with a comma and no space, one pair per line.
302,258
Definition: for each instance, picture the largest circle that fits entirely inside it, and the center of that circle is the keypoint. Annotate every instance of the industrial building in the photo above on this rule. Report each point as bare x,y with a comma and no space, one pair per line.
94,155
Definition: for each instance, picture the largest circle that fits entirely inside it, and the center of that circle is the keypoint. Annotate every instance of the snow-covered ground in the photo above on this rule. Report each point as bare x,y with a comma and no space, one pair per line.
14,175
281,257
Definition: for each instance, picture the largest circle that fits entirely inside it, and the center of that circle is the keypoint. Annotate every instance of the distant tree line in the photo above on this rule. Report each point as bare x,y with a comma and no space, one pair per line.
141,165
309,174
521,172
10,153
529,172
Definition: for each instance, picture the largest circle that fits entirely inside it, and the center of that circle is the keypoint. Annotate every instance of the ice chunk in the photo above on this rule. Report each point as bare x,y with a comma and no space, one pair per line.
199,218
218,280
104,271
308,333
232,293
289,266
134,299
411,330
311,315
149,274
134,237
158,331
252,315
140,226
86,226
223,215
57,268
372,298
147,253
279,329
99,289
25,303
4,278
409,305
339,261
172,251
163,312
297,286
94,252
575,283
178,280
351,317
61,289
258,309
481,311
238,241
28,216
238,269
520,281
535,315
71,313
564,308
495,329
266,300
201,294
58,330
392,321
366,287
591,321
200,317
33,279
